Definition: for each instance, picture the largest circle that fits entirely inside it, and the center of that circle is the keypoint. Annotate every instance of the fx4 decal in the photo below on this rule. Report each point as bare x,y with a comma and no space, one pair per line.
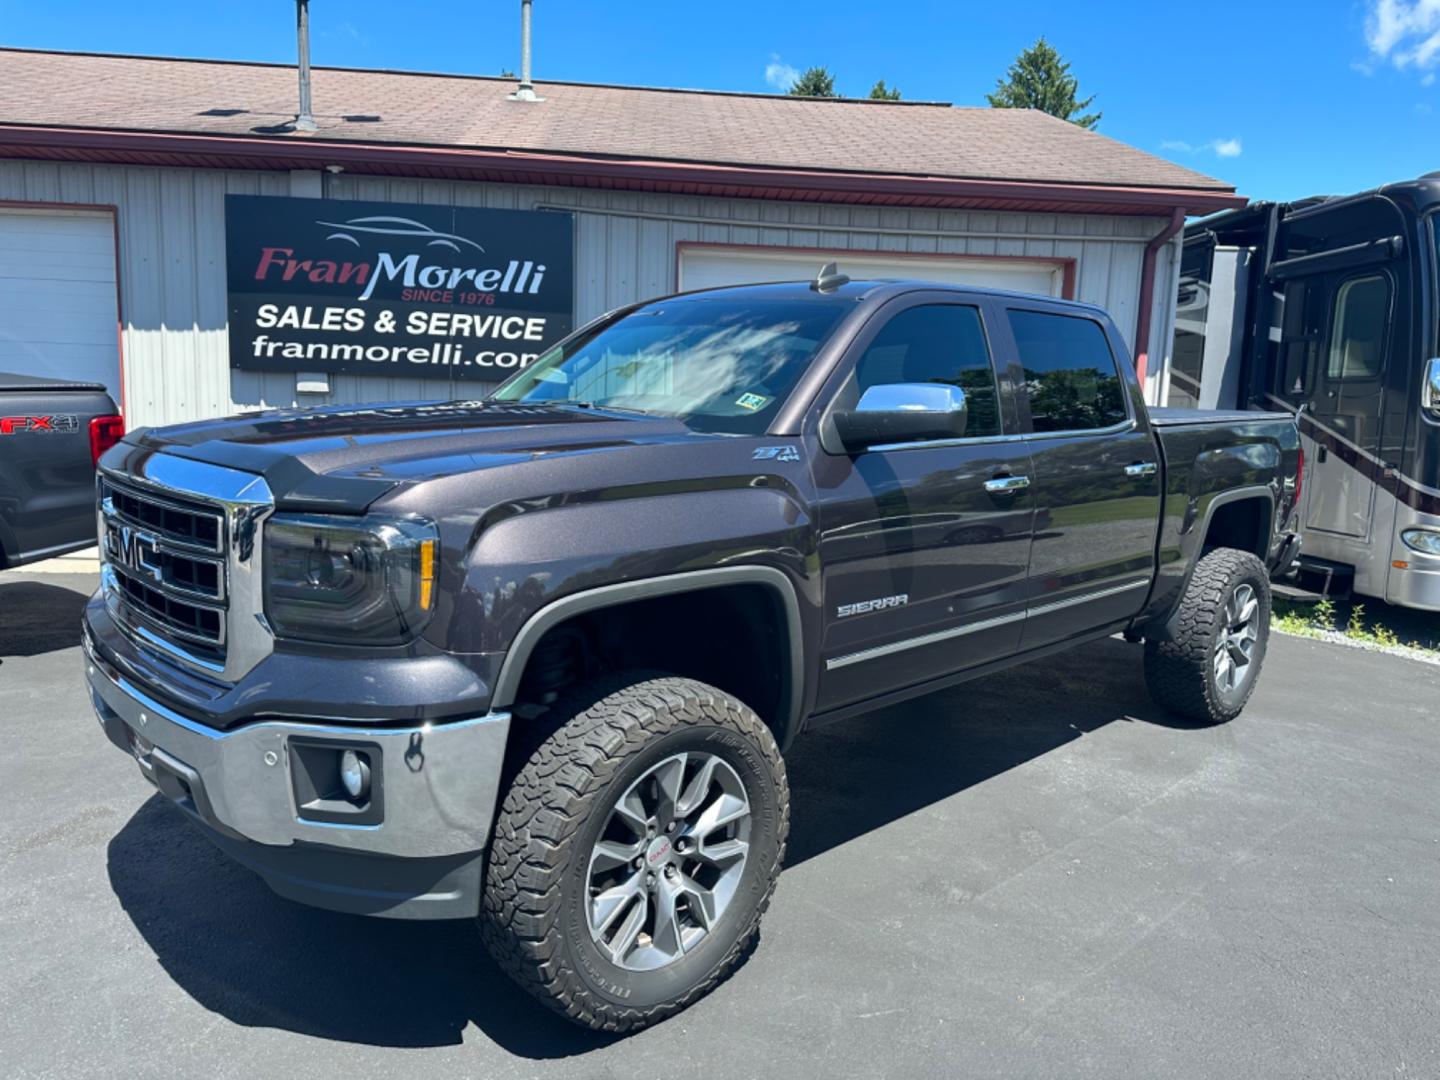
20,425
880,603
776,453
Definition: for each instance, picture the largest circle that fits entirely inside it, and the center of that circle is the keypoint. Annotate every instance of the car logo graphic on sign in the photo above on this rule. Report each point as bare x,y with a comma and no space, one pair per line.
384,225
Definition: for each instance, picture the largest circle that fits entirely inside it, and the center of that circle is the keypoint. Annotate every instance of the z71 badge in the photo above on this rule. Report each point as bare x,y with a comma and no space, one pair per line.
776,453
864,607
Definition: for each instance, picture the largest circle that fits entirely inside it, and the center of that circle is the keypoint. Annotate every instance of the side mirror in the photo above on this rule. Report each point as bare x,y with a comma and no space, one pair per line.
1430,395
903,412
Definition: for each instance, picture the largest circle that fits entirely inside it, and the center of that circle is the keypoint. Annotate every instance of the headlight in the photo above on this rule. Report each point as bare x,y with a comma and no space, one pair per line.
1422,540
363,581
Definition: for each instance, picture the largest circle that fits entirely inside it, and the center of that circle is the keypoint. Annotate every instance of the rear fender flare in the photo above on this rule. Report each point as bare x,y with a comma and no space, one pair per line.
1159,626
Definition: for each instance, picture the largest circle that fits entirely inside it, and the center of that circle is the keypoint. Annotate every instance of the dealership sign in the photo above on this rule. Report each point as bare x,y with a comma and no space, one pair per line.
391,289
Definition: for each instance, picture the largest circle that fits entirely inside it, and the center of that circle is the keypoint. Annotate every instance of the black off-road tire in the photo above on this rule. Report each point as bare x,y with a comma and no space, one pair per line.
1180,672
601,738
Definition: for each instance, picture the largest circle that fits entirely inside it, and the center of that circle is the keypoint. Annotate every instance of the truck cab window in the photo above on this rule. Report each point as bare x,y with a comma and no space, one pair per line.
943,343
1071,378
1357,338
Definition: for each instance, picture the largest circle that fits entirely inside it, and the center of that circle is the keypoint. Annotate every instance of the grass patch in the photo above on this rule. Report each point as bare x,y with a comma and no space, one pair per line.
1376,626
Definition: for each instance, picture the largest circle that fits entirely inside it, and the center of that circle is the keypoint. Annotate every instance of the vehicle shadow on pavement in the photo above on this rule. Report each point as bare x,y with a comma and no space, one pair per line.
261,961
258,960
37,617
863,773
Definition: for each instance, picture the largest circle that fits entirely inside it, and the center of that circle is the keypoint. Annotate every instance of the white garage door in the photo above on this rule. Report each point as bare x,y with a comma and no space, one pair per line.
706,267
58,312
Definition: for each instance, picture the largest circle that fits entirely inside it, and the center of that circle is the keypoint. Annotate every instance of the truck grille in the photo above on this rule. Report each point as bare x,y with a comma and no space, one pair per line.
167,557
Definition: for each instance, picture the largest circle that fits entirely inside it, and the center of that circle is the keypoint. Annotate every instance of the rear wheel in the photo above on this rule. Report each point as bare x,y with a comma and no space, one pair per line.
1208,669
636,850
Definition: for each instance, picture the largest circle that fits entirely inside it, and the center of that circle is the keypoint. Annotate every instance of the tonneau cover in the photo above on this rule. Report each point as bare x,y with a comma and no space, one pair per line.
10,381
1168,417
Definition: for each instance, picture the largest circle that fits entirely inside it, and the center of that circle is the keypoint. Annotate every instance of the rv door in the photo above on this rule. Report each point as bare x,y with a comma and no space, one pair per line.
1346,403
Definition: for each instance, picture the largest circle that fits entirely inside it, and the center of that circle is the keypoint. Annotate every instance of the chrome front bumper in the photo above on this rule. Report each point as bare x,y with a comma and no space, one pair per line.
440,781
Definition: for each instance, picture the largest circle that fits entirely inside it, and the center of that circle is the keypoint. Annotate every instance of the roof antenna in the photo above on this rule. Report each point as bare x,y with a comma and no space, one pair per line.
829,278
304,119
526,90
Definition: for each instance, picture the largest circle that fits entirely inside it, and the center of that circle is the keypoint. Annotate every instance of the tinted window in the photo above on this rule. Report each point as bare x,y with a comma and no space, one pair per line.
941,343
1070,374
1357,338
721,363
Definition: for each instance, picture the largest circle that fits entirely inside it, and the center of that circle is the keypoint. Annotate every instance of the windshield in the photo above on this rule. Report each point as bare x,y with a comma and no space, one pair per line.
719,364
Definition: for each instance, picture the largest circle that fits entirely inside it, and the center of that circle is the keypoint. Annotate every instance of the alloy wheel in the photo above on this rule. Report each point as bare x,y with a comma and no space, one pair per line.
668,861
1239,631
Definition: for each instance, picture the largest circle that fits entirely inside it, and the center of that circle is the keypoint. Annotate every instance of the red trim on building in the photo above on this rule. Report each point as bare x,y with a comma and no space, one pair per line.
114,212
529,167
1065,265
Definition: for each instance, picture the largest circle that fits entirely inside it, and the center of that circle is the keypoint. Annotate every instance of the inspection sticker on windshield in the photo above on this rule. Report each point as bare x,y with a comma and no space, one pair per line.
753,402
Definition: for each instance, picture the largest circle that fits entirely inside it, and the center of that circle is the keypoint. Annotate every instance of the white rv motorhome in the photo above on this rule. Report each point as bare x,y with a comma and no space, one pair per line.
1328,308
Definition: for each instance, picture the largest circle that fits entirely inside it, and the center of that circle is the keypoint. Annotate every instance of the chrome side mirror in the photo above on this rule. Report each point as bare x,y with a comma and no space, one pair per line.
903,412
1430,395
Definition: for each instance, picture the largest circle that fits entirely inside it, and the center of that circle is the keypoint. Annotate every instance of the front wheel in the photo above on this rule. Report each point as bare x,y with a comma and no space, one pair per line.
636,850
1208,669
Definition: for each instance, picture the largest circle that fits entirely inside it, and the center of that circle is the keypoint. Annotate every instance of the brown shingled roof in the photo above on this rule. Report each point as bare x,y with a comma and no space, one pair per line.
740,134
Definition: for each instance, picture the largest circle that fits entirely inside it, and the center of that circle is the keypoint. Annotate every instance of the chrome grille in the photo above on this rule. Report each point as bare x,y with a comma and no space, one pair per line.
189,526
166,557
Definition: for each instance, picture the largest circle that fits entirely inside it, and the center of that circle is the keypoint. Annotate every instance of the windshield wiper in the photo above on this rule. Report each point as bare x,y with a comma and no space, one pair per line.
610,408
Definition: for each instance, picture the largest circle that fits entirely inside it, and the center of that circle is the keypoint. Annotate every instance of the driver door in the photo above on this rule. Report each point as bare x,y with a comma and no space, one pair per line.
924,569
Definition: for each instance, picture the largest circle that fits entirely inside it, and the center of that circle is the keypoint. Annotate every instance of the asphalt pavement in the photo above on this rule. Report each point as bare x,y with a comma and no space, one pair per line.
1039,874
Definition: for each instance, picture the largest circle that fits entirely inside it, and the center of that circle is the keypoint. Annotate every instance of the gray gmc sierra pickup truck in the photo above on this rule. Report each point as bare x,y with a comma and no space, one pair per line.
536,659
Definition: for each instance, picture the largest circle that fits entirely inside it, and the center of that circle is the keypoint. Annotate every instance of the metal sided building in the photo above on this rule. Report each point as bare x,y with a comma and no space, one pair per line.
165,227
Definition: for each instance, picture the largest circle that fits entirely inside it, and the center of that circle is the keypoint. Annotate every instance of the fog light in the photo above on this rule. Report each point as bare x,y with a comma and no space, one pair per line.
1422,540
355,775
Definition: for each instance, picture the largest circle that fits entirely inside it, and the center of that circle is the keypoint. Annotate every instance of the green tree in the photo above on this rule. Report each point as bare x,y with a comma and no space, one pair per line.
816,82
1039,79
881,92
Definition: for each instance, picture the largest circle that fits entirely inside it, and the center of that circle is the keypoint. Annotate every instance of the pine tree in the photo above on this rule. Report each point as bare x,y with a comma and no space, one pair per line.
881,92
1039,79
816,82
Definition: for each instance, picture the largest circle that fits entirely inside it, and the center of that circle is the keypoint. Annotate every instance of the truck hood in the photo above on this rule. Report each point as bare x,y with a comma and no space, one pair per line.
343,458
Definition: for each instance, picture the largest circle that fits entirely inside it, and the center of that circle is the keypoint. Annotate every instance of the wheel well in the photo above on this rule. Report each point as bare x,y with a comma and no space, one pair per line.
734,637
1243,524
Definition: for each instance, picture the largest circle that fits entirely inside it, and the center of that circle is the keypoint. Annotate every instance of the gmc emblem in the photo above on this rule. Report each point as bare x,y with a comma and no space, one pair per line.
129,547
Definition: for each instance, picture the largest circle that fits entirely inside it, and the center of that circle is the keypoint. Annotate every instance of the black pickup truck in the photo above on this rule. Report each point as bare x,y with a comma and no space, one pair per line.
536,659
51,435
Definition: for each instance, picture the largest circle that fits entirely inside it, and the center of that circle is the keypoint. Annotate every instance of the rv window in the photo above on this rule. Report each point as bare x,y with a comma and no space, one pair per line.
1300,315
1357,335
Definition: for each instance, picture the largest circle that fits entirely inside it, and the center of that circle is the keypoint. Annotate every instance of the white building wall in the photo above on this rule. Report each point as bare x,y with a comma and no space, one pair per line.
172,262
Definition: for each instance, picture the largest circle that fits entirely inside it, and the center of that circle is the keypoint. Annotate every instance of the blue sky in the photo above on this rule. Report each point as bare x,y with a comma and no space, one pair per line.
1282,99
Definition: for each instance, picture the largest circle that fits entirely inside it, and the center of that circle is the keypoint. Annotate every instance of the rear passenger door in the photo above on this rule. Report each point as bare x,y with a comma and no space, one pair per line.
923,566
1096,474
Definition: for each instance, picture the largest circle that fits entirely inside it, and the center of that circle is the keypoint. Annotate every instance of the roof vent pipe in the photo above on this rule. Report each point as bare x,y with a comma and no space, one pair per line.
526,90
304,119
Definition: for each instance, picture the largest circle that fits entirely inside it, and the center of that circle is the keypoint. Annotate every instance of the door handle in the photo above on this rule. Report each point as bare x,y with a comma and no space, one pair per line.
1141,468
1003,485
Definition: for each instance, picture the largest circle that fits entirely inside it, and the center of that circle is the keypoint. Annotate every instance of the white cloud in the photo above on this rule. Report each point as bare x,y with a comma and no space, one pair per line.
1218,147
1404,32
779,74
